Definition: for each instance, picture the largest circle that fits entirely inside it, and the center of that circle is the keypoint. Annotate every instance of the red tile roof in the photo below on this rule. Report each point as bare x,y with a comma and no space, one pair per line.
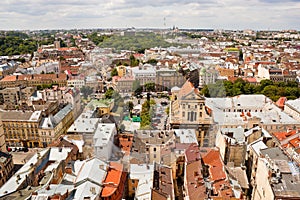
281,101
125,142
295,142
213,160
221,185
283,135
192,153
194,181
112,180
9,78
250,80
187,88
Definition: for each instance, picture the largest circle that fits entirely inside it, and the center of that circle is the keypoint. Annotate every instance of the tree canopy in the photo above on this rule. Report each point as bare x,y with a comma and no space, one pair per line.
86,91
138,43
273,90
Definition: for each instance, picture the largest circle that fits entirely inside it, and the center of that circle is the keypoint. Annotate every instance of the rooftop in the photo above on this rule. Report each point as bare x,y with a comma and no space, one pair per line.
295,104
274,153
186,135
112,179
93,170
143,173
19,177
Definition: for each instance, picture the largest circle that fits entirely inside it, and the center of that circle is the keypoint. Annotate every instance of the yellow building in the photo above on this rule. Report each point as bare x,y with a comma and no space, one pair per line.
103,106
31,129
21,128
34,80
52,127
121,70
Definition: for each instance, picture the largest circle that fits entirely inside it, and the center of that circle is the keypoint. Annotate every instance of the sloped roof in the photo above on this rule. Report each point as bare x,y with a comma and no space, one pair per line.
213,160
186,89
195,183
112,180
93,170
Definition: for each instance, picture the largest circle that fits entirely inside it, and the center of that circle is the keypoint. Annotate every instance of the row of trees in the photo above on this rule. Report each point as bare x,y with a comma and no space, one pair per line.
147,113
273,90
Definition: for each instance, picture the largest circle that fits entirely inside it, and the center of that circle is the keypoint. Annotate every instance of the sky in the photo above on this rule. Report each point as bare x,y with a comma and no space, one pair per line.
215,14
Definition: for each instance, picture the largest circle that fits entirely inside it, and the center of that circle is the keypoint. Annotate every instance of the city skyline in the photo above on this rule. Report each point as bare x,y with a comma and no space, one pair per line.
214,14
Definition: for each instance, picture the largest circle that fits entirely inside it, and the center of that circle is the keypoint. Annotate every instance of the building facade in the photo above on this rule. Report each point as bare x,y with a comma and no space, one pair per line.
6,167
189,111
168,78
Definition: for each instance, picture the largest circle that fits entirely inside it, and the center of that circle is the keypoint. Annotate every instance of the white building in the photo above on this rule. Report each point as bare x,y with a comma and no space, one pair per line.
90,175
104,140
292,107
249,111
144,74
77,83
86,126
144,174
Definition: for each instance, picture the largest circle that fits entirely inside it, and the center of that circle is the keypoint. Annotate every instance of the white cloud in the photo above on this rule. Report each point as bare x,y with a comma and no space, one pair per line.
226,14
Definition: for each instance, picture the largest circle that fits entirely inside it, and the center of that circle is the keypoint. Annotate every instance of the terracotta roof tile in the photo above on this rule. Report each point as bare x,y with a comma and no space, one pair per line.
283,135
281,101
185,89
213,160
112,180
192,153
195,183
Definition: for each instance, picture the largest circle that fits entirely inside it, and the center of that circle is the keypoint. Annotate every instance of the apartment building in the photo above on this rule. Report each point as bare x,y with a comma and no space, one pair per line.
168,78
144,74
6,167
34,80
104,140
13,96
53,126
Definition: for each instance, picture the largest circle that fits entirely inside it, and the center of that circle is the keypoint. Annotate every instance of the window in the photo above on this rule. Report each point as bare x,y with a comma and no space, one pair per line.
183,106
154,149
195,106
183,114
200,114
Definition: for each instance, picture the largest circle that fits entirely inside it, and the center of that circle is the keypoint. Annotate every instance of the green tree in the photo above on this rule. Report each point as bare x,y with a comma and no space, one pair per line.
86,91
109,93
137,88
129,105
152,61
133,61
114,72
150,87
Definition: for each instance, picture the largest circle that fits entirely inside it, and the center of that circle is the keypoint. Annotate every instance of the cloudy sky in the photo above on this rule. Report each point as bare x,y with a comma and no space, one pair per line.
217,14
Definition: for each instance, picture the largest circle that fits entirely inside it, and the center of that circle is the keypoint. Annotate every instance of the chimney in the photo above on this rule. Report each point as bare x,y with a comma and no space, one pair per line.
68,170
